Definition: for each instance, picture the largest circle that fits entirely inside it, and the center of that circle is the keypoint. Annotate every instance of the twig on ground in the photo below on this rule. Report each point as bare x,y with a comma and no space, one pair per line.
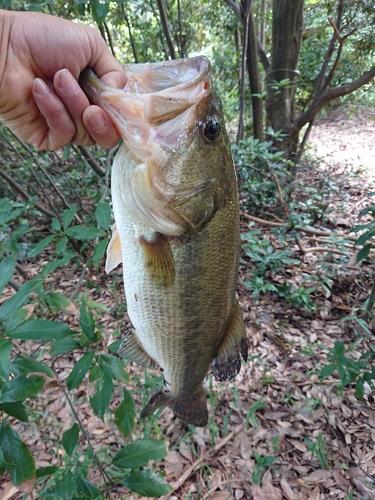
307,229
282,201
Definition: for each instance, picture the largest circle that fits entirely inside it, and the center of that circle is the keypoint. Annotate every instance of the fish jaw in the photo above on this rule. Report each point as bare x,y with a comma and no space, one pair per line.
155,94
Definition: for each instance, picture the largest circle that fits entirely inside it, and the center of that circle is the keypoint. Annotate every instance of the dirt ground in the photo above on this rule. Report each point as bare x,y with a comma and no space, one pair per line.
303,438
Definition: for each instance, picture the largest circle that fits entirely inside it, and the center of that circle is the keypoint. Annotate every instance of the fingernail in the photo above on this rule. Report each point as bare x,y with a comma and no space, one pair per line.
96,120
66,82
40,87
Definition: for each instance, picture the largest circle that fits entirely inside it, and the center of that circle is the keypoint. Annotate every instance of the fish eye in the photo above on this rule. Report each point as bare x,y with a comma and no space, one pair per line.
211,129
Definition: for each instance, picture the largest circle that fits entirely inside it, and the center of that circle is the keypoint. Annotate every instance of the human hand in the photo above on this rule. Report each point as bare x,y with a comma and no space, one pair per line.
41,57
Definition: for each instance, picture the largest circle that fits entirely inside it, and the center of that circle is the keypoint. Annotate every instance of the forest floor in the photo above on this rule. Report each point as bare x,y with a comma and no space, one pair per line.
278,431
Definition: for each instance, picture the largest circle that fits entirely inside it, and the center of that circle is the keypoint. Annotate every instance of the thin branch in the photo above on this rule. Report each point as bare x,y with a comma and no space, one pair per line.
24,194
33,173
319,84
165,26
109,37
330,94
59,193
132,43
308,230
282,201
91,161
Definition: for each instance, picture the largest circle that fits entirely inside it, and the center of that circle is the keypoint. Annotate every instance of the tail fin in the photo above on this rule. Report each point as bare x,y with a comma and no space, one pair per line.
190,409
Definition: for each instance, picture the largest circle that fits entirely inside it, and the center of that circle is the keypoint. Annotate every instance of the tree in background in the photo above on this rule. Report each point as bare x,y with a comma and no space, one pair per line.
289,36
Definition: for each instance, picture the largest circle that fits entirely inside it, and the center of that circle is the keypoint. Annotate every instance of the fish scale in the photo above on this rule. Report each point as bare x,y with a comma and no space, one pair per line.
175,203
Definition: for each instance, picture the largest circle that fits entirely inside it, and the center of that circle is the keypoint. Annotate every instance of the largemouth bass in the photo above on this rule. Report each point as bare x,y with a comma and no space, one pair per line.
175,203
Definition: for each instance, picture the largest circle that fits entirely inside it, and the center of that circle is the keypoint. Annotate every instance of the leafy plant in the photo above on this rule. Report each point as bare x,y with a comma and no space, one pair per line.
319,449
351,371
262,462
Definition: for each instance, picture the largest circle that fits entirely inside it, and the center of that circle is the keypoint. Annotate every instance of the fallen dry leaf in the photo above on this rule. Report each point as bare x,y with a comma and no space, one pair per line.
267,491
318,476
8,491
287,490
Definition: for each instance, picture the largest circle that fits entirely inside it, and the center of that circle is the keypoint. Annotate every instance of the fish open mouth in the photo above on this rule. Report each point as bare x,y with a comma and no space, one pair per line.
162,78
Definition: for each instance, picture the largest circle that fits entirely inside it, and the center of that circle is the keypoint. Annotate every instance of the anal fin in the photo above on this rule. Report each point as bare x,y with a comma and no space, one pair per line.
132,350
227,362
159,259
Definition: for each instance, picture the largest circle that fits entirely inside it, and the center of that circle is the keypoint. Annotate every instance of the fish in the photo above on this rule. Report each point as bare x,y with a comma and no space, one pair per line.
176,210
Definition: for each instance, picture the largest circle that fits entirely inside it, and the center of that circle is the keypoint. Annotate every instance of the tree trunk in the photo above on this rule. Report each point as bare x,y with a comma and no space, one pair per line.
287,31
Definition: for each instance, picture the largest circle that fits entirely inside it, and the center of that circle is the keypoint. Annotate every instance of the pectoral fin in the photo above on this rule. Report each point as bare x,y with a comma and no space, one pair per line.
227,362
114,251
159,259
132,350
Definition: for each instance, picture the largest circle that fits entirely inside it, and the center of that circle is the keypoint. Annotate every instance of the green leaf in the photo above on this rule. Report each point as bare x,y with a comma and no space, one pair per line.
104,391
21,388
87,322
327,370
49,470
139,453
99,11
51,266
114,347
16,410
147,484
7,266
363,253
5,347
103,214
359,389
9,306
70,439
19,461
41,329
56,300
87,233
79,371
22,366
339,349
115,365
99,251
256,476
15,319
125,414
34,251
68,216
55,224
64,346
365,237
61,244
86,489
